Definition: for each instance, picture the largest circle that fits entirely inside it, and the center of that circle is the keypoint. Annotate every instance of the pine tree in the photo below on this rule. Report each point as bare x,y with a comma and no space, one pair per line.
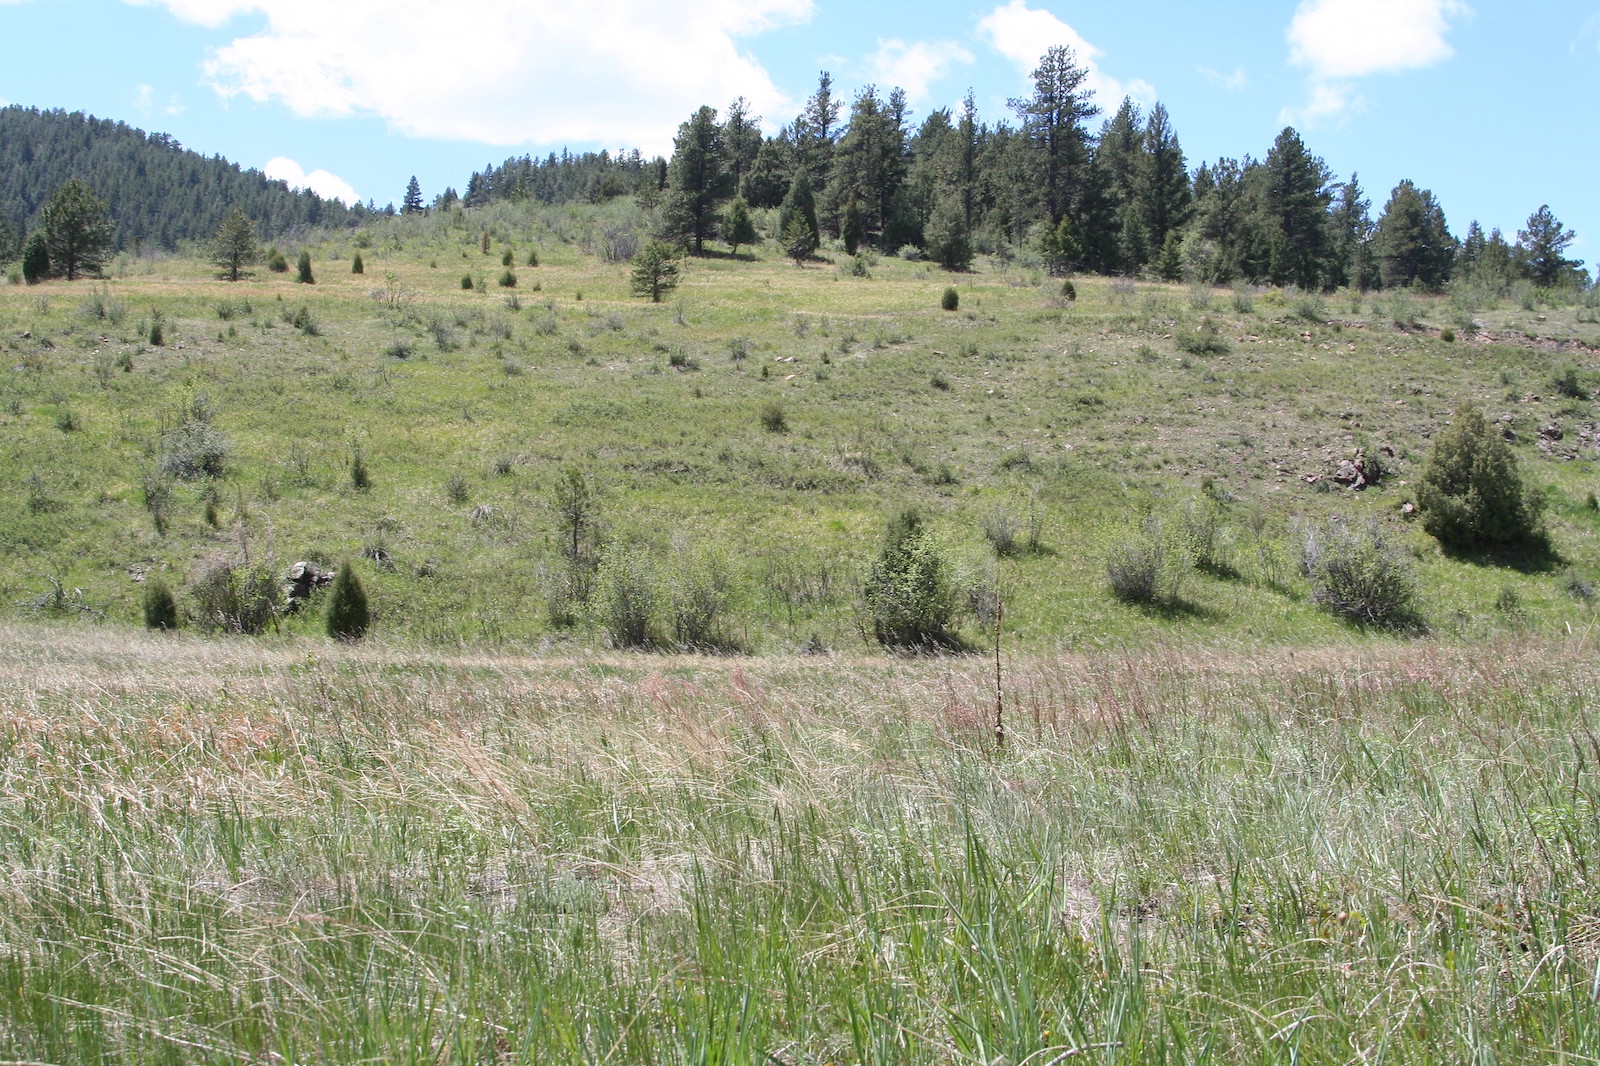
1161,182
35,258
948,242
799,209
1295,211
698,180
1052,120
412,204
1412,242
655,270
348,614
1539,249
303,269
160,608
77,230
799,240
357,265
850,228
737,228
234,246
1471,494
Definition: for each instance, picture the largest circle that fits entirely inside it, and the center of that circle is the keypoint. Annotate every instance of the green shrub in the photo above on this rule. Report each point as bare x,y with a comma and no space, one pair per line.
773,420
508,280
1470,492
910,600
194,450
303,270
951,300
360,476
1204,339
1143,569
236,598
533,257
348,614
1069,291
357,266
1356,574
700,595
276,262
466,282
629,595
160,606
1566,383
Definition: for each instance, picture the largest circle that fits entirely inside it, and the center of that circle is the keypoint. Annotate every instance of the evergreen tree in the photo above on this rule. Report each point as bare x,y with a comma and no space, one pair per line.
768,179
1471,494
869,164
948,242
234,246
1052,121
1161,183
1352,260
303,269
815,133
35,259
850,229
348,615
1412,243
1224,217
799,240
741,139
655,270
698,181
1539,249
737,228
160,607
799,206
1295,209
1112,216
1060,248
412,203
77,231
357,265
909,595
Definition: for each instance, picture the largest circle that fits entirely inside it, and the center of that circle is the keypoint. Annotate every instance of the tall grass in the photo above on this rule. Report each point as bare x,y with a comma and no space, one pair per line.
245,851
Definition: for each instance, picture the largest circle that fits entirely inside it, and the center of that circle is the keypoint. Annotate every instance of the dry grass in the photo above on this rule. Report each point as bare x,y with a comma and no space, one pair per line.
268,850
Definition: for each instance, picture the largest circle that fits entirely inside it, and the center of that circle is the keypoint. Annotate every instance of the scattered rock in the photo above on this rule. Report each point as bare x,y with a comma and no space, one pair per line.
304,579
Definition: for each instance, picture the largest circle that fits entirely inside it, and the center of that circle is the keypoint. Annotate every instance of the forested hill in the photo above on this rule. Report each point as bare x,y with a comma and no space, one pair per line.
158,192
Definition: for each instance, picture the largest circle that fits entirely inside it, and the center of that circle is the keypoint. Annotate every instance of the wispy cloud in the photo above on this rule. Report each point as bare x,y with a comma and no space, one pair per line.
1233,83
1340,41
320,182
617,71
914,67
1023,34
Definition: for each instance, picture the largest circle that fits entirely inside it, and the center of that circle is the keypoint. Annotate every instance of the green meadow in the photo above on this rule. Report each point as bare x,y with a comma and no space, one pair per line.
760,424
1225,826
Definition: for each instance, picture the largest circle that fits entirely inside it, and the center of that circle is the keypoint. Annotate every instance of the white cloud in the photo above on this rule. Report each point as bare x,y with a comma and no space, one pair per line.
1233,83
624,72
1338,41
1023,34
916,66
320,182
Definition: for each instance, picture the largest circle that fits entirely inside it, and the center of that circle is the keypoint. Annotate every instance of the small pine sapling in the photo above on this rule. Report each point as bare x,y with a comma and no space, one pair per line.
348,615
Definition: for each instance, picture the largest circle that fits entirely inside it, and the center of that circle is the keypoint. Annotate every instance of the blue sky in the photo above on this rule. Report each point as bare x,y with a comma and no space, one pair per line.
1489,105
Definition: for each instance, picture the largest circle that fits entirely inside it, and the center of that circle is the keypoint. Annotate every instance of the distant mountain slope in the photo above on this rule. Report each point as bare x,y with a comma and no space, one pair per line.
159,192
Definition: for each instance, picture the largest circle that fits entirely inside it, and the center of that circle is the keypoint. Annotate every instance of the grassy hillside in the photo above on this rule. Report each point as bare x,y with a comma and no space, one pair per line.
231,851
756,429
